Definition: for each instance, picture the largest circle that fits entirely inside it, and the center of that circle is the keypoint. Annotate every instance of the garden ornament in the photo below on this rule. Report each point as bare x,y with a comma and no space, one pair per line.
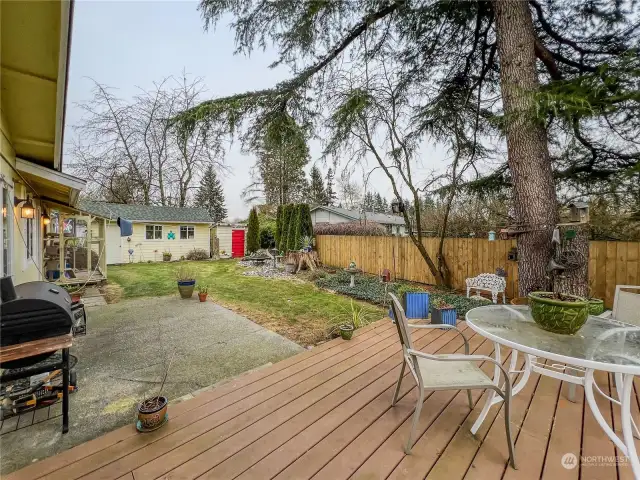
171,235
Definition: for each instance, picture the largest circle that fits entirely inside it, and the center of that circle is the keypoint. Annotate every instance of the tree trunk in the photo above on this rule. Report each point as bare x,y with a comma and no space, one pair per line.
529,163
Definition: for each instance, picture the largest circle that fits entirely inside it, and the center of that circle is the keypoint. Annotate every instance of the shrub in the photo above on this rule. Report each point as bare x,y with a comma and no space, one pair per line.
291,234
267,239
316,275
351,228
253,232
278,232
197,254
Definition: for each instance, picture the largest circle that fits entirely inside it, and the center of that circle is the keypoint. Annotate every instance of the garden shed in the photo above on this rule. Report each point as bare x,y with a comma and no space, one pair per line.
232,239
156,229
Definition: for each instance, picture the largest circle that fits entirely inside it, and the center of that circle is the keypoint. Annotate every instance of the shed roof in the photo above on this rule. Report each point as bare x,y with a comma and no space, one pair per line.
145,213
382,218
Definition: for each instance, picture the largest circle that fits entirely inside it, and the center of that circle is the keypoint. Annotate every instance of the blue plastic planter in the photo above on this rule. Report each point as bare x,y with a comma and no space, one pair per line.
447,316
416,304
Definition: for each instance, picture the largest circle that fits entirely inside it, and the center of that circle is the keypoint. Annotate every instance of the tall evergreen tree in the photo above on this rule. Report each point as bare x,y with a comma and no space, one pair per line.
278,232
284,228
459,70
369,202
294,219
253,232
211,196
317,192
332,198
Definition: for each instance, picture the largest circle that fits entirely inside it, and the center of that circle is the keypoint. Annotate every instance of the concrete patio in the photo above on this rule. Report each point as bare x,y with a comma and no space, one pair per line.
123,358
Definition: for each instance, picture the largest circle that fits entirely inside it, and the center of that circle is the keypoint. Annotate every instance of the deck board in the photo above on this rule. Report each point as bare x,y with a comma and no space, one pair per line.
326,413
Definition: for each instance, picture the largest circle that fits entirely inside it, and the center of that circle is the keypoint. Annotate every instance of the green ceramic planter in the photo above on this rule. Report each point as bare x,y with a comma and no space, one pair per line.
596,306
346,332
558,316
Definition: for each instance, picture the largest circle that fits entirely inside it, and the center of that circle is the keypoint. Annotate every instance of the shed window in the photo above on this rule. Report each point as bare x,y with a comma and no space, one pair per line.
187,232
153,232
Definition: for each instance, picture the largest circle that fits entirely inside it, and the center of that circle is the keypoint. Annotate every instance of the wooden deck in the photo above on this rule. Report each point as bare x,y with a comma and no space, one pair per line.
326,414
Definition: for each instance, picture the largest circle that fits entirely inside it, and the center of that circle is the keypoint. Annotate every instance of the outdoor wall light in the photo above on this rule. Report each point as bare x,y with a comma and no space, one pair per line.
27,210
45,219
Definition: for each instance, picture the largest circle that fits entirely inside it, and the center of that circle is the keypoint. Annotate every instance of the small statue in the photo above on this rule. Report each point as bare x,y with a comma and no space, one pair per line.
352,265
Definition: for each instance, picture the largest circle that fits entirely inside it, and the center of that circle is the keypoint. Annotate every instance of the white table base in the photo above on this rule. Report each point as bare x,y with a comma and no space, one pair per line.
624,387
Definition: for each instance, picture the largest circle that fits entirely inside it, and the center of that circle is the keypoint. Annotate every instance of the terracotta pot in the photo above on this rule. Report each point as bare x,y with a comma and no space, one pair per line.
150,419
75,297
202,297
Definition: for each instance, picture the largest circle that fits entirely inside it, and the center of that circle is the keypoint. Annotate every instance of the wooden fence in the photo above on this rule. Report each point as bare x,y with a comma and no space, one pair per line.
610,263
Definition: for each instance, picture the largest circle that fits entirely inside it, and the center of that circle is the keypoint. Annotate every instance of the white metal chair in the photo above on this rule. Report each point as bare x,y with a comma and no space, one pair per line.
626,305
446,372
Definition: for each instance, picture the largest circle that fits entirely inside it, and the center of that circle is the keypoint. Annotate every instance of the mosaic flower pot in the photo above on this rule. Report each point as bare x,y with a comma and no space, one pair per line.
346,331
185,287
152,414
558,316
596,306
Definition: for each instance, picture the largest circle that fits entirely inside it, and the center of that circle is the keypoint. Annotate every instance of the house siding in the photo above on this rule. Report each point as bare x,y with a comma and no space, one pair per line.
151,250
223,232
22,269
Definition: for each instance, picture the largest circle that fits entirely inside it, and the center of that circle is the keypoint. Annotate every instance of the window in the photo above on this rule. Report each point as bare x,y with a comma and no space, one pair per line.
153,232
187,232
6,234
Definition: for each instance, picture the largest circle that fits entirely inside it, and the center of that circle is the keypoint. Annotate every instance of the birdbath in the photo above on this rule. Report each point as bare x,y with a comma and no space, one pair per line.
352,271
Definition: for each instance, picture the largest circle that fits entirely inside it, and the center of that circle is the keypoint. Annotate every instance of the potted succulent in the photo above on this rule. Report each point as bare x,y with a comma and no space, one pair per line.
559,312
186,281
166,256
443,313
203,290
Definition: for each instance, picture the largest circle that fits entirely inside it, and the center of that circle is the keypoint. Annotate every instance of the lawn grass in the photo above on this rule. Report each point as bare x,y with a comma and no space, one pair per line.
296,309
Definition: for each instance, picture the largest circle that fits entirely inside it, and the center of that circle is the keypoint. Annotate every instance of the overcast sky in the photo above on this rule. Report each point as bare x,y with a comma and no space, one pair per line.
126,45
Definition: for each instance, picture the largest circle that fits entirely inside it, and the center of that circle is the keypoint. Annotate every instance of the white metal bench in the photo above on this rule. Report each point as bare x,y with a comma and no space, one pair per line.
487,282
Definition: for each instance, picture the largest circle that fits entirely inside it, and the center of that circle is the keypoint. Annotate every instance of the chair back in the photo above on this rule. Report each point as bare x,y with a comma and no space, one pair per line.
401,322
626,304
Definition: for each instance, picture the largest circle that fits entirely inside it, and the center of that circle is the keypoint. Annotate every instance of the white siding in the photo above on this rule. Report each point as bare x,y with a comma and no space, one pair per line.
224,239
145,250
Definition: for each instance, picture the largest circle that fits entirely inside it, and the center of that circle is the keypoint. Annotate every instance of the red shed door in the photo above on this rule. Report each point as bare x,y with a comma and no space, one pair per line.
237,243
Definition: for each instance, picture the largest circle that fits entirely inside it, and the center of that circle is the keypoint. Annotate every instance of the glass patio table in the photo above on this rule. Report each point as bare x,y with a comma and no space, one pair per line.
601,344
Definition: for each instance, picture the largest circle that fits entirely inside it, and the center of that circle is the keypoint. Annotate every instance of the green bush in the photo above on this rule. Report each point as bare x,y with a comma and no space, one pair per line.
267,239
292,228
278,231
253,232
461,303
197,254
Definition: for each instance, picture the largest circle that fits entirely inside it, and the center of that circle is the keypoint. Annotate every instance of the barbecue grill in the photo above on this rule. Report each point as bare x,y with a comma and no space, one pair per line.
30,313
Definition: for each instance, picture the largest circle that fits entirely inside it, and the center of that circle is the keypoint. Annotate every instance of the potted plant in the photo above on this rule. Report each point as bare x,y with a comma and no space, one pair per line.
355,317
346,331
152,411
596,305
443,313
186,281
203,290
415,301
290,265
166,256
559,312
